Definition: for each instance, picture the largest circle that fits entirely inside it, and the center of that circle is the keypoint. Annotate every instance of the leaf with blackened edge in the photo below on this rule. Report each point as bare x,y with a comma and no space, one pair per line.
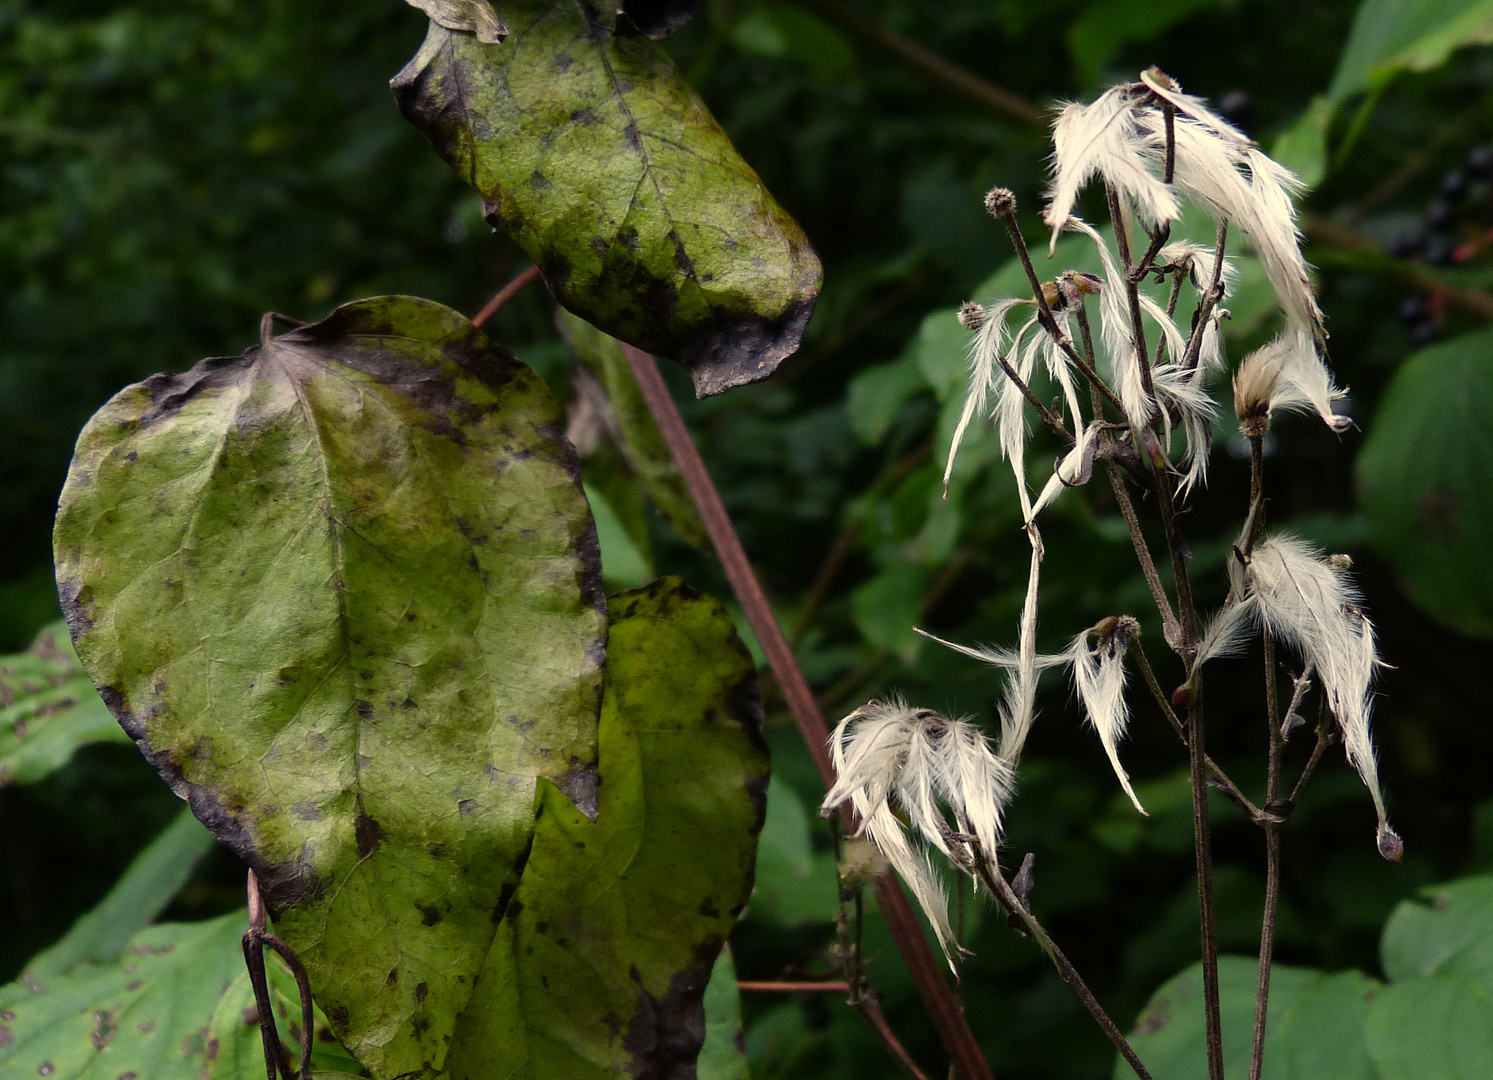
343,591
600,967
591,150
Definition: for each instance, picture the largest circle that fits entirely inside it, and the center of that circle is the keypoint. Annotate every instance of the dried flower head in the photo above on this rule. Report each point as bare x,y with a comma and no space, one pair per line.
1001,202
972,316
1285,375
891,758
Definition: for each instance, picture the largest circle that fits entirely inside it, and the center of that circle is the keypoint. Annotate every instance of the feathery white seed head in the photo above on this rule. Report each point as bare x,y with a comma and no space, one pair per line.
1285,375
1104,139
1306,602
1099,679
889,756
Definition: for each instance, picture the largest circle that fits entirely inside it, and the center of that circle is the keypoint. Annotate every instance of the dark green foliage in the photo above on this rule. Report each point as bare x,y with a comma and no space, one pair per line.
171,171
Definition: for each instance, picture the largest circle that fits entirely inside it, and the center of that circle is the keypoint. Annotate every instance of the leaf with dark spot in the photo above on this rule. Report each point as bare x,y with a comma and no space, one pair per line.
48,709
285,511
600,967
87,1023
649,224
1424,475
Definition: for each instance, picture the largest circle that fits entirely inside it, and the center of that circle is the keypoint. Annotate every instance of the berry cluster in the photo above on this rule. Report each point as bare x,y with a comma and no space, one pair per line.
1455,228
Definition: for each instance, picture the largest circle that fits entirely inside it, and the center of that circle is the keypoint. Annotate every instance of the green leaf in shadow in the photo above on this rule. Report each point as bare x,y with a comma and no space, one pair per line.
343,591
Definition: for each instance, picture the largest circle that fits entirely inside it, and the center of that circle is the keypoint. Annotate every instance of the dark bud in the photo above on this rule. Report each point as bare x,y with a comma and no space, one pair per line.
1236,107
1412,309
1182,696
1440,251
1424,333
1001,202
1439,215
1025,879
1480,162
1390,844
816,1011
1454,183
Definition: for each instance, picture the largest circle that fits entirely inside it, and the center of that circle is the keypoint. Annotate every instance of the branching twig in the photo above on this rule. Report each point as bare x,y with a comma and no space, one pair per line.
1171,629
255,939
1220,779
1204,313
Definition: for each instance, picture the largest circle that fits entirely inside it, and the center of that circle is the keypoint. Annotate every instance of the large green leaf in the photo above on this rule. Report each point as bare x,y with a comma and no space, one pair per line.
723,1057
343,592
1314,1031
154,878
1452,935
1433,1028
1424,475
589,148
171,1008
48,709
600,965
1388,37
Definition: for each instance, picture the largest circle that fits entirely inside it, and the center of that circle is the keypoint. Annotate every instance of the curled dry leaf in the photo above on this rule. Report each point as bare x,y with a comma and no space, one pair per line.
475,16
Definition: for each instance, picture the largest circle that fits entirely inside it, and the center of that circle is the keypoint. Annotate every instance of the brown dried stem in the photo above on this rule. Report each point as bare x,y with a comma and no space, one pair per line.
938,998
505,294
1220,779
1272,857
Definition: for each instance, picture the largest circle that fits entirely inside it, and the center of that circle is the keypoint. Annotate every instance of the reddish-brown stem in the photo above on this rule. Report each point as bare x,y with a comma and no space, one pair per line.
870,1008
505,294
940,1001
791,987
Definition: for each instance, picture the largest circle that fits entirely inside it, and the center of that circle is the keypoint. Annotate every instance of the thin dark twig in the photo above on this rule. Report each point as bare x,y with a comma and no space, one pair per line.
303,987
1171,309
1324,740
1221,780
1203,855
505,294
870,1008
1272,854
1132,291
1053,423
1170,628
1204,313
994,880
789,987
275,1054
839,551
938,998
1085,364
932,66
